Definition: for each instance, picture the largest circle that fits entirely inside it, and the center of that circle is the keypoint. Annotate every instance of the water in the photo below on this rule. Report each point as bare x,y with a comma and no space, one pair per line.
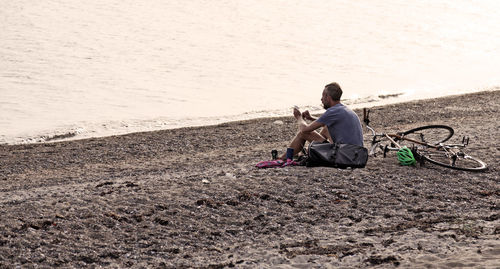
75,69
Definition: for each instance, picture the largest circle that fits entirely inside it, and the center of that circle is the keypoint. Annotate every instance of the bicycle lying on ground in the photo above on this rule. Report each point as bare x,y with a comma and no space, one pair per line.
425,143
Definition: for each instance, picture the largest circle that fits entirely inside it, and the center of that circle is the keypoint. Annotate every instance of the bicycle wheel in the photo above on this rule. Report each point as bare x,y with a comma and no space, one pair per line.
431,134
459,161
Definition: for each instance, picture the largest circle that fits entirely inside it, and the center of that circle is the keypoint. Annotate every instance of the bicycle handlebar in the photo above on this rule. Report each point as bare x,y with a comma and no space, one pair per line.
366,114
366,120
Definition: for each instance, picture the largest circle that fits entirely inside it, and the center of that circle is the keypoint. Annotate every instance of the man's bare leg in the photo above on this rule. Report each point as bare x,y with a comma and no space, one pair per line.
300,139
325,133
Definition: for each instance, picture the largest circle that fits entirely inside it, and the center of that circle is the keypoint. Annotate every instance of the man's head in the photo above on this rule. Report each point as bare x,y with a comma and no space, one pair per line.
331,95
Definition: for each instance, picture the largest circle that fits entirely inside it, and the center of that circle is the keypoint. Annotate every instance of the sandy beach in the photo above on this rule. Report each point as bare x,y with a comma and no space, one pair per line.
192,198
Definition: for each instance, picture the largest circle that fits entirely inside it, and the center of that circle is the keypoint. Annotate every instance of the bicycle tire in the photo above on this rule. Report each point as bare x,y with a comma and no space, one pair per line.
442,134
462,162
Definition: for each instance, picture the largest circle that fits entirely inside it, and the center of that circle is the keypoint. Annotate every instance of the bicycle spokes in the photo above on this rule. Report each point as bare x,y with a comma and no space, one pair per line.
455,160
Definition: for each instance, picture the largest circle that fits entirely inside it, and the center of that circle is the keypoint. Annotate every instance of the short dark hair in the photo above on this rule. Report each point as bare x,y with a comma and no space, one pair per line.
333,89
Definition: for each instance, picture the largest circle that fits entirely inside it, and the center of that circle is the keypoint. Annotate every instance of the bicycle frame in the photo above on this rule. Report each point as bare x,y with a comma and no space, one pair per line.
378,138
447,155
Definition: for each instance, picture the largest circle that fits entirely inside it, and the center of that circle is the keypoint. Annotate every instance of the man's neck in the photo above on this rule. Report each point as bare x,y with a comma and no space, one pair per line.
334,103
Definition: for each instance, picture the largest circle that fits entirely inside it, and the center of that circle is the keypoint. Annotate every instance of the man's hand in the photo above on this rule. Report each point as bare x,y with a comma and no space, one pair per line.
306,115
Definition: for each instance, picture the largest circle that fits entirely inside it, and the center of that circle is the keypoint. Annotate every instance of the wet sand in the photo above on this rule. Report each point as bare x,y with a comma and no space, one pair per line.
192,198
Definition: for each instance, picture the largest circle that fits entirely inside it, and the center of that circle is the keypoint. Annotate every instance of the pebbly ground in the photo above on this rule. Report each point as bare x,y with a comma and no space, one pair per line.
192,198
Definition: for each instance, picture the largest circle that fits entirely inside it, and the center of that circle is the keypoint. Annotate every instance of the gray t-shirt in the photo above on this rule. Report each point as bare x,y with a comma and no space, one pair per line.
343,124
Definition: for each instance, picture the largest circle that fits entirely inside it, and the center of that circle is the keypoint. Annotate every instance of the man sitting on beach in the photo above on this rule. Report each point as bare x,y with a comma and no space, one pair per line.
342,124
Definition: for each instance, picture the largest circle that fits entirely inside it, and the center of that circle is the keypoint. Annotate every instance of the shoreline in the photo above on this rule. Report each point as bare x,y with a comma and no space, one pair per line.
191,197
124,127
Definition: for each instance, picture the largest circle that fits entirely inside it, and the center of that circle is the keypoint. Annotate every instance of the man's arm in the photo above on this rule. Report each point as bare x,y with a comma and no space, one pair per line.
307,128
